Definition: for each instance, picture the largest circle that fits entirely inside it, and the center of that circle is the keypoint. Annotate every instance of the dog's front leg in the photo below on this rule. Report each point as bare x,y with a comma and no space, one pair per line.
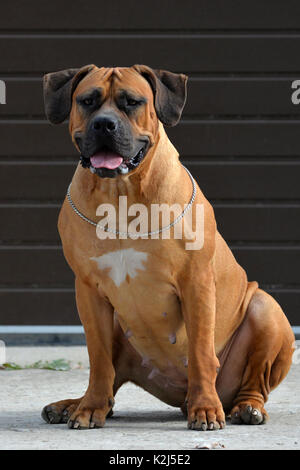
198,298
96,315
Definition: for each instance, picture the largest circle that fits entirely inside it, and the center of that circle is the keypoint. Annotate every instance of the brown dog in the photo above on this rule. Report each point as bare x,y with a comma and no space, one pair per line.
186,325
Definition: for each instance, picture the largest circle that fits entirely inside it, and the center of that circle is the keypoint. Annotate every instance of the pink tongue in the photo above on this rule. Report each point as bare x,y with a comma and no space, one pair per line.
106,160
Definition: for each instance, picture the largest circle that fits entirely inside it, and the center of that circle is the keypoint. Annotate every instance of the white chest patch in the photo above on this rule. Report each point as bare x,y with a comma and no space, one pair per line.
122,263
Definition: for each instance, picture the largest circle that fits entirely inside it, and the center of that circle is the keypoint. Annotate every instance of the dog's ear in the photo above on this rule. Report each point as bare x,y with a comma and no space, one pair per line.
169,90
58,91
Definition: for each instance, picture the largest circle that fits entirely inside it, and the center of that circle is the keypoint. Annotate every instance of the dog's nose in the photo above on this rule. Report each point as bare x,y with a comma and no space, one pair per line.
105,124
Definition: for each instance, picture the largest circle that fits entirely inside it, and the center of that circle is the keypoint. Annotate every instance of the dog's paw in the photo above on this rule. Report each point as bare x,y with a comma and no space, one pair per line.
91,413
87,418
248,413
60,411
206,418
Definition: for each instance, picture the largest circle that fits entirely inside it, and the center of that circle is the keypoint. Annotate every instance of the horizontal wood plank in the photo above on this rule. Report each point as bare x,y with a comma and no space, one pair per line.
38,181
38,307
269,265
194,53
194,139
261,222
48,181
248,180
194,14
47,267
244,138
240,96
206,97
34,267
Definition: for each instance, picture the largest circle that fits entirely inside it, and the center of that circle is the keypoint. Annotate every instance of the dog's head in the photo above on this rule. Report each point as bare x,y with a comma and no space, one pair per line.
114,112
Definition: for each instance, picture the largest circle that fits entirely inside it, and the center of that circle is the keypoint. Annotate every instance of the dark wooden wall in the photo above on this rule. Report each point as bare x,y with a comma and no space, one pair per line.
240,133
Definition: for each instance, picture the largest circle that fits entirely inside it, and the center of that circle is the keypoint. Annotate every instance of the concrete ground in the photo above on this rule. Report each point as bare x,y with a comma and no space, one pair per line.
140,421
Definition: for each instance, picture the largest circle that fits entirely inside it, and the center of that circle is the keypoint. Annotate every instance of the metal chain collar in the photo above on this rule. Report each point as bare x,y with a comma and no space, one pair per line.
117,232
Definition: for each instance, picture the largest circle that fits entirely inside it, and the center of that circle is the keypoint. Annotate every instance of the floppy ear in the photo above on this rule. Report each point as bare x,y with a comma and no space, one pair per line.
58,91
169,90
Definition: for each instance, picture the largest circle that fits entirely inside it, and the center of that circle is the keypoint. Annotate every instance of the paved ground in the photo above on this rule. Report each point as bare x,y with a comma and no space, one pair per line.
140,421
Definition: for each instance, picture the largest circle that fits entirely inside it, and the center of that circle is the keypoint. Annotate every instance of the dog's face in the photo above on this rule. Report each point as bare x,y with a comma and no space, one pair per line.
114,112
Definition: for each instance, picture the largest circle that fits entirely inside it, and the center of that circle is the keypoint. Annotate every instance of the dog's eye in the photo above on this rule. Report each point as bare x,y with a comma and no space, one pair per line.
132,102
88,101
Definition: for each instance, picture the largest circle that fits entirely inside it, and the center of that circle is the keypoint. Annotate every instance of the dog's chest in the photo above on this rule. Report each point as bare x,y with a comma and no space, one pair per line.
139,287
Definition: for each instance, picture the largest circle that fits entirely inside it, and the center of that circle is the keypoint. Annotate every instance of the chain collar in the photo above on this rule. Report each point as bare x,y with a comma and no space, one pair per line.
136,235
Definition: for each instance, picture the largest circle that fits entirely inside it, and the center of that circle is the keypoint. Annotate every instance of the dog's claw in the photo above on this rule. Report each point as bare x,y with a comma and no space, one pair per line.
203,426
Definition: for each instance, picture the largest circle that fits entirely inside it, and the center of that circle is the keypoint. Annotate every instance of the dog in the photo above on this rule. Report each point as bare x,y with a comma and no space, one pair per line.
185,325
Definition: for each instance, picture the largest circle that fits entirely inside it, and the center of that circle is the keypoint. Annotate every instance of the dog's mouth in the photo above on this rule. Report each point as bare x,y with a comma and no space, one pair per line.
107,163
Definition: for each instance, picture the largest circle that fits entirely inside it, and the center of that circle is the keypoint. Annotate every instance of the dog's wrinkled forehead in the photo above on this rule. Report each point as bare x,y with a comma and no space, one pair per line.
115,79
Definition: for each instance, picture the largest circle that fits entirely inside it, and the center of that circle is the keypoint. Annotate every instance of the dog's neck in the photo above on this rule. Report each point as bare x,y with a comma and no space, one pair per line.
158,179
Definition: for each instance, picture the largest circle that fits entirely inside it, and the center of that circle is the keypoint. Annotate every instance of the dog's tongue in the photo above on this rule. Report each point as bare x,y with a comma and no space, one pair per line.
106,160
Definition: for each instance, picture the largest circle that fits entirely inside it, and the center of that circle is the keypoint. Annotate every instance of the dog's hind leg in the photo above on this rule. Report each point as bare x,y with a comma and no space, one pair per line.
259,359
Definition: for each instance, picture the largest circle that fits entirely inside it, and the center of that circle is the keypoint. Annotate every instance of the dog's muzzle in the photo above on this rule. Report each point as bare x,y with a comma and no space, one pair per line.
103,150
